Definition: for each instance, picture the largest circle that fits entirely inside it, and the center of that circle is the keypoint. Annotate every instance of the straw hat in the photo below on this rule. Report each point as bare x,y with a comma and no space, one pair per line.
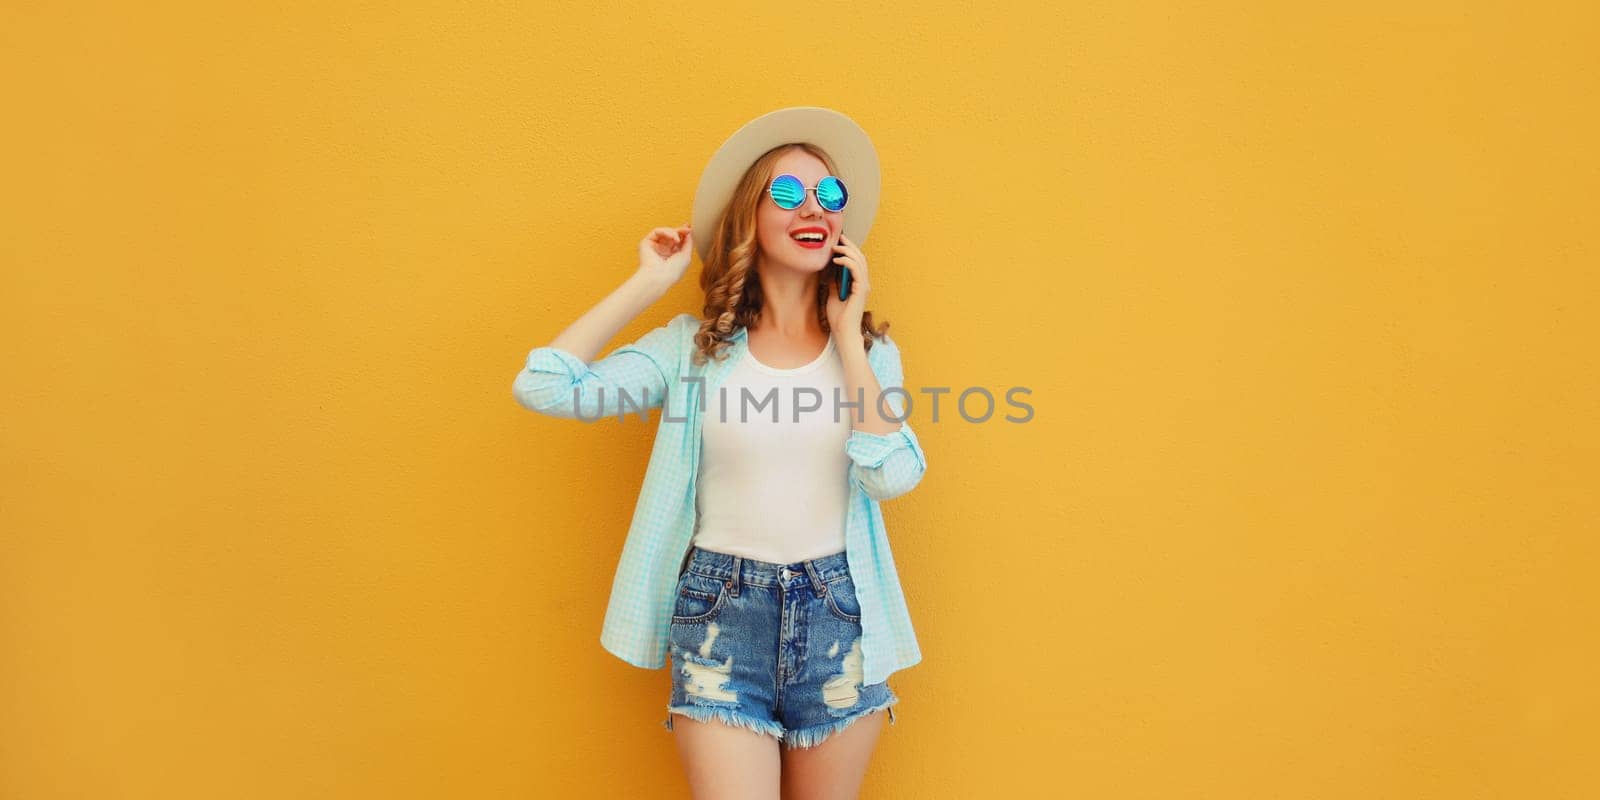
834,132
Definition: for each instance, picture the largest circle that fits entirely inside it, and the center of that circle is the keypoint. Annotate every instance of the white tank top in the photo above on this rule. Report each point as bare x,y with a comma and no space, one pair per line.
775,490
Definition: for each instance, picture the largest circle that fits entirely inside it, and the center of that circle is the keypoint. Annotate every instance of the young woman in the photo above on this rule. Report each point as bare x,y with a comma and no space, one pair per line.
757,557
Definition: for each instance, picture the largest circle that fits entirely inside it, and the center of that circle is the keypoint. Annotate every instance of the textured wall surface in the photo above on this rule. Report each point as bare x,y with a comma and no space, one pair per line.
1304,296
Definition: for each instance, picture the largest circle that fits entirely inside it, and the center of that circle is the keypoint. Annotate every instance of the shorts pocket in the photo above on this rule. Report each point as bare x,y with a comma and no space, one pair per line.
700,598
841,596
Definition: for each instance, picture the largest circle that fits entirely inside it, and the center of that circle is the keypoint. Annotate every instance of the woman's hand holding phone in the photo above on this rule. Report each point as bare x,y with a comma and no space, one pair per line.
844,316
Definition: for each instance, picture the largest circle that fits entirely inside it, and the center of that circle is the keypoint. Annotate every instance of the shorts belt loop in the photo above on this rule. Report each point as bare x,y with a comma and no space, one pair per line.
818,586
733,583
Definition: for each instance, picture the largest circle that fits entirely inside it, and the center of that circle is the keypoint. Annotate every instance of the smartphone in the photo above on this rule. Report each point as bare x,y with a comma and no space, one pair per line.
844,282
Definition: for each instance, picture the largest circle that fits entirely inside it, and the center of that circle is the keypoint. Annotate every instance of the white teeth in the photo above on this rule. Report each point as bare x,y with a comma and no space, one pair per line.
808,237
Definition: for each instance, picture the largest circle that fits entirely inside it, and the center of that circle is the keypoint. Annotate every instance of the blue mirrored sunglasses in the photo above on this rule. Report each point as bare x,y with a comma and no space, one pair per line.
789,193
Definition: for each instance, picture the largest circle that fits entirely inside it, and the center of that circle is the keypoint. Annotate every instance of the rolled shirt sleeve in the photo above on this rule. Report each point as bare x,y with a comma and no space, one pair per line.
886,465
633,378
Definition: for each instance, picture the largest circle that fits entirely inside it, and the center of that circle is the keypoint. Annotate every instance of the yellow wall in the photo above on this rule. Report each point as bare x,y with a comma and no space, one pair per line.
1305,295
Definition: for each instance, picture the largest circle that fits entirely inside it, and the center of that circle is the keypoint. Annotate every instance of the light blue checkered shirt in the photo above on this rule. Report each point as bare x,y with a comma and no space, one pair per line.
657,370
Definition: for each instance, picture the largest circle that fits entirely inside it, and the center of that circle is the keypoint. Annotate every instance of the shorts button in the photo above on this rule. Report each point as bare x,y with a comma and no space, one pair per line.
728,584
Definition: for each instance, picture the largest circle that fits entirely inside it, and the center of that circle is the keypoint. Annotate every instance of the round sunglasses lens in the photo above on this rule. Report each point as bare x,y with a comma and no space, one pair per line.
787,191
831,194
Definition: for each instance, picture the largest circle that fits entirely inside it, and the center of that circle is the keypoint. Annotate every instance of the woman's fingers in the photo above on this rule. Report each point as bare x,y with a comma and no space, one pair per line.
849,258
667,241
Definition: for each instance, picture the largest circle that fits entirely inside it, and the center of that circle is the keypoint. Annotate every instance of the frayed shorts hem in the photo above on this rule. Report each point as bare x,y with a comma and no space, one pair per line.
798,738
817,734
726,716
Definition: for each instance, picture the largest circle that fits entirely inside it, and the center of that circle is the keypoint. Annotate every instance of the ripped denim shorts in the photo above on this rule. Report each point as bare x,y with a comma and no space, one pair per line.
774,648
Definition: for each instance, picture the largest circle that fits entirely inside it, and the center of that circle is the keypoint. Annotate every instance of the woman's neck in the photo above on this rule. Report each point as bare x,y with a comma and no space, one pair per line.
789,305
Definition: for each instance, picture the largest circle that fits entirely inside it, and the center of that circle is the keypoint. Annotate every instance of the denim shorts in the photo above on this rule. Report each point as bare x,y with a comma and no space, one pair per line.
775,648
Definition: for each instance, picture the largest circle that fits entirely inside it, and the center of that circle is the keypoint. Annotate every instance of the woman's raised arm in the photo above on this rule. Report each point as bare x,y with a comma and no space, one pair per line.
559,380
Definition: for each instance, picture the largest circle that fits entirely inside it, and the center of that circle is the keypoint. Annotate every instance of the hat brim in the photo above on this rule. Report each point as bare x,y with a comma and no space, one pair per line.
845,141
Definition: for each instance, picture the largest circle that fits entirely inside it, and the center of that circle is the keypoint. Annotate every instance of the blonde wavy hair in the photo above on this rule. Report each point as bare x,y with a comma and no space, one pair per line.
733,292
